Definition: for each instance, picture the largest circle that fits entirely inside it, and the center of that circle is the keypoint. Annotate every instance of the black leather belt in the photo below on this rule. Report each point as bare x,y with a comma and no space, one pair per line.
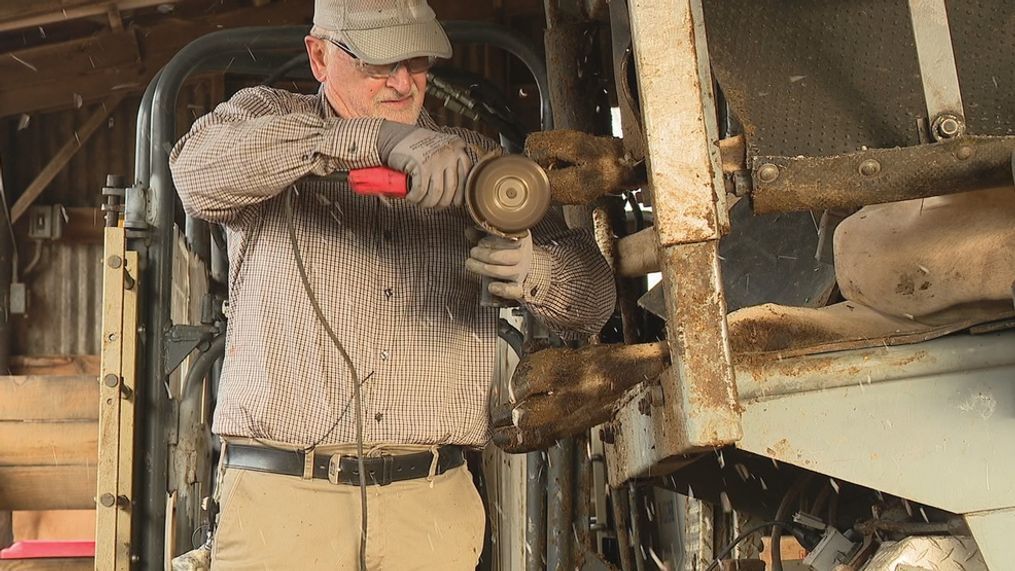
380,470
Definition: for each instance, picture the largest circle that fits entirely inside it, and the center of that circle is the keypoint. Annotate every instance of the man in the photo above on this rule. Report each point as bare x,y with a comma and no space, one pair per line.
318,273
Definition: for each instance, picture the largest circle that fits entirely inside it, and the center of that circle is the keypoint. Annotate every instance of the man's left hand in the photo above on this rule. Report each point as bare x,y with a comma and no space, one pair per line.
506,261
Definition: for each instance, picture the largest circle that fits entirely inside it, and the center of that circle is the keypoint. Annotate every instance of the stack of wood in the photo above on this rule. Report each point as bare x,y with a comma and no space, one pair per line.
48,447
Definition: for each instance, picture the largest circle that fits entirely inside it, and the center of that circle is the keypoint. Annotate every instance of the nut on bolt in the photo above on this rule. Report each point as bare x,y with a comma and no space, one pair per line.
947,126
768,172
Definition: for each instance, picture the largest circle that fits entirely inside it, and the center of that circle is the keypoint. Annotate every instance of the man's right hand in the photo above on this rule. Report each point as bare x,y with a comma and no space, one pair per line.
436,163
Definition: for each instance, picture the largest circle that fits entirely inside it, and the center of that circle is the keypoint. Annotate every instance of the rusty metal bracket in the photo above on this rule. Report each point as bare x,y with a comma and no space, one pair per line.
787,184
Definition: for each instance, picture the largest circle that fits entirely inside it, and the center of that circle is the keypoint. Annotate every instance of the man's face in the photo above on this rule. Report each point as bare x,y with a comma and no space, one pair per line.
352,93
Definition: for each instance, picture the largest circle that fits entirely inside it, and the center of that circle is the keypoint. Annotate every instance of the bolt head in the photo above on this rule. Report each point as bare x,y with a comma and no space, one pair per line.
869,167
768,172
964,153
115,262
107,500
111,380
949,127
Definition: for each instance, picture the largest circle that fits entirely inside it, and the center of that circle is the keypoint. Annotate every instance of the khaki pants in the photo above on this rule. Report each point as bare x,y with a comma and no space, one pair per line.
275,522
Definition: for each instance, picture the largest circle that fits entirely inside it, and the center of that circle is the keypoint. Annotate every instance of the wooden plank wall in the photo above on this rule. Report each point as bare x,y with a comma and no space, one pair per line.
48,439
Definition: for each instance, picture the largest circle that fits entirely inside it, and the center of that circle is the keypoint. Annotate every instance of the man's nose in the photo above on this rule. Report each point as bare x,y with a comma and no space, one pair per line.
401,80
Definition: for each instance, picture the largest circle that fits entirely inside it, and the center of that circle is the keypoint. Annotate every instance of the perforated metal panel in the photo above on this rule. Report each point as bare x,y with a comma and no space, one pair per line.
983,37
823,77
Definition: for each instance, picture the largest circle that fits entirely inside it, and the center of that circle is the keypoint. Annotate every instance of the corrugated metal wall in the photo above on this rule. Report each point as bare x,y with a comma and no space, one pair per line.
65,287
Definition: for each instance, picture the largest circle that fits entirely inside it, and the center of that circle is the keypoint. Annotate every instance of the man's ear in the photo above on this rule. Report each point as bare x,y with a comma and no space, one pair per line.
318,51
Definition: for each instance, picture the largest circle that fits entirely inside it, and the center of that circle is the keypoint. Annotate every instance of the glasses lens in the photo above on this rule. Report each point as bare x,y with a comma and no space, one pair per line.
419,64
414,65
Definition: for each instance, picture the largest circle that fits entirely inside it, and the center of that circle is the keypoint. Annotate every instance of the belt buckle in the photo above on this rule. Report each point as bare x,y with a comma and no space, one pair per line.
334,468
387,465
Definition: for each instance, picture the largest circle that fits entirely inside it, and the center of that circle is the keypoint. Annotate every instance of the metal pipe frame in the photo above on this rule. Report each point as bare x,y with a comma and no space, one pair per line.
158,270
502,37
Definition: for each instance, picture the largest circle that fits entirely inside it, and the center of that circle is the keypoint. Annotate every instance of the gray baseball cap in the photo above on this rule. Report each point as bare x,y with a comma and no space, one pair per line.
384,31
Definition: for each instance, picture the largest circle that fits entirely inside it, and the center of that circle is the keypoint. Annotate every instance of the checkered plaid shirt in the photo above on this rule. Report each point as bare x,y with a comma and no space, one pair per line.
389,276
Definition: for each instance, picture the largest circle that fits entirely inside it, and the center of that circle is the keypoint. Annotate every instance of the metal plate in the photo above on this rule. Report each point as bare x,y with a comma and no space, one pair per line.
770,259
837,76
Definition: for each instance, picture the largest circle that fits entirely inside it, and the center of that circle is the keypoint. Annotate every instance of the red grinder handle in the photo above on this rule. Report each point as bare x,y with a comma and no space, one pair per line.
379,181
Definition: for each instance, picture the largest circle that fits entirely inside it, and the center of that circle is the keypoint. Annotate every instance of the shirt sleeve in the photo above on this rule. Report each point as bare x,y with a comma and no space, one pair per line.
570,286
258,143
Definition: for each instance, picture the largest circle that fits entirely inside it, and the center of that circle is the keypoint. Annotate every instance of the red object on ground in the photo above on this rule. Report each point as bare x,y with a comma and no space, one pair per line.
40,549
379,181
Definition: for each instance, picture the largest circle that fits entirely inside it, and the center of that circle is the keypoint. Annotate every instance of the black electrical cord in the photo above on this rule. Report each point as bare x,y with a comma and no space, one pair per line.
794,492
357,393
736,541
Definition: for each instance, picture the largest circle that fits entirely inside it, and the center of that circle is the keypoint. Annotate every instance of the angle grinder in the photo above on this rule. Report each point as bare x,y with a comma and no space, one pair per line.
505,196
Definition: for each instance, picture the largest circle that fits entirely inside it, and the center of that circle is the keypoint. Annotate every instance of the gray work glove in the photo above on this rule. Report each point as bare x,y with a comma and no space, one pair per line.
435,162
507,261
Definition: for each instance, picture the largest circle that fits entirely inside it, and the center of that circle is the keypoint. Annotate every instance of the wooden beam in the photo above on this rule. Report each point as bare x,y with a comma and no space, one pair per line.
6,529
65,487
48,564
64,155
115,20
49,398
67,61
55,365
118,62
48,443
17,14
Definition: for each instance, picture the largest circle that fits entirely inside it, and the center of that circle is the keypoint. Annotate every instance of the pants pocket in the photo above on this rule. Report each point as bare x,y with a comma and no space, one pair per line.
230,514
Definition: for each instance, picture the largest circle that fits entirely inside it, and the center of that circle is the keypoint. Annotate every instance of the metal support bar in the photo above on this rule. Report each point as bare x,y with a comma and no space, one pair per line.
679,118
535,512
698,405
937,59
875,176
560,506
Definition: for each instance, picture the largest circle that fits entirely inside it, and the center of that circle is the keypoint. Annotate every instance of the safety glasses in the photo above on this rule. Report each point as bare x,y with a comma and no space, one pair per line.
383,71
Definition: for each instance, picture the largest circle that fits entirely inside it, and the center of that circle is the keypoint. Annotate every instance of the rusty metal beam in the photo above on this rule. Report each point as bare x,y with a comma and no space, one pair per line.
786,184
695,406
677,107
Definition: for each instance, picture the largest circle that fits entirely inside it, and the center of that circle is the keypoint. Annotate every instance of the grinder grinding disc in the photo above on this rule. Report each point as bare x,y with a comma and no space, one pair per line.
507,195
